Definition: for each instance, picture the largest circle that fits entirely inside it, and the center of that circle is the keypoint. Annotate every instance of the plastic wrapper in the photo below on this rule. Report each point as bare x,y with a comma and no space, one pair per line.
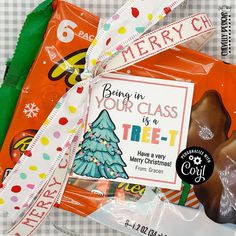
156,213
131,208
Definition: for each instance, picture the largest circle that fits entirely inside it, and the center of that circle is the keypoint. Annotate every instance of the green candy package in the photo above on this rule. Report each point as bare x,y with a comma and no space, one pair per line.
29,43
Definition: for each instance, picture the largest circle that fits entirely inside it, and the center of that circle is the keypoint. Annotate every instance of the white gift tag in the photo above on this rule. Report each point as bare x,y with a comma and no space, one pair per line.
136,127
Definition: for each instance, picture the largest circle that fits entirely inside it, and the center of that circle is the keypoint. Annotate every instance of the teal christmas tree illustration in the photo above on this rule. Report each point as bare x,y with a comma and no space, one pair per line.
99,154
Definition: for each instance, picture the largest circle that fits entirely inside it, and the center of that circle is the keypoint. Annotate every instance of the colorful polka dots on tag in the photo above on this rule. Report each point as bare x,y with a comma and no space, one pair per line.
56,134
80,122
160,17
42,176
81,89
59,149
116,17
119,48
135,12
72,109
122,30
108,41
75,139
109,54
72,131
33,168
23,176
94,42
67,145
2,201
16,189
94,62
46,122
14,199
58,105
30,186
167,10
140,30
25,205
28,153
46,157
149,16
106,27
63,121
44,141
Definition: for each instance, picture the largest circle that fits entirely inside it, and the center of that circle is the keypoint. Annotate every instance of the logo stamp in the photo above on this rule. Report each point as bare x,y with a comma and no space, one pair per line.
194,165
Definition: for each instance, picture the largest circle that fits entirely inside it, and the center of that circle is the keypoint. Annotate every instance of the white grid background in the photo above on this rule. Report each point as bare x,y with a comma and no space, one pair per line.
12,15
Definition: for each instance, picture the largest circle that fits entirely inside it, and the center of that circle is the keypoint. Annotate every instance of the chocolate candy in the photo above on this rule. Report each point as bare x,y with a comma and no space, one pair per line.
218,194
210,122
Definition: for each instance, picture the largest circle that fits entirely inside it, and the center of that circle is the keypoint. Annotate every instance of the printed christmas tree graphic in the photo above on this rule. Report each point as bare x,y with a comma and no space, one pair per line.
99,154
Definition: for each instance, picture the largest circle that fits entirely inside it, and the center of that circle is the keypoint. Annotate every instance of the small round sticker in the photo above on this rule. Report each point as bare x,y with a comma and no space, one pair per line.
194,165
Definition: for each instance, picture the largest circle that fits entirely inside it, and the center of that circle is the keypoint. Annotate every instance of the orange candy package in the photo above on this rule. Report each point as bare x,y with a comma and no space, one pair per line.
58,67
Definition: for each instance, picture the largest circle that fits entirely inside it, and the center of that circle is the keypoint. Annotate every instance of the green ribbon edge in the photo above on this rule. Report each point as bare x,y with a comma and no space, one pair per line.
185,192
28,46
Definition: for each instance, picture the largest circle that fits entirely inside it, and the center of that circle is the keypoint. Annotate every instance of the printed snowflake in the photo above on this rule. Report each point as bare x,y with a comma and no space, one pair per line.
31,110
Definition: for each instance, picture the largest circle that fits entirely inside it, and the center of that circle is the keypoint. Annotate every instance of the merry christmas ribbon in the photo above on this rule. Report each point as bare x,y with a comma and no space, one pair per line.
37,180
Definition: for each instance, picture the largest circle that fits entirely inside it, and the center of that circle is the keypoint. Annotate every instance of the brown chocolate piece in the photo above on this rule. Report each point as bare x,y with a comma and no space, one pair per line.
210,122
218,194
